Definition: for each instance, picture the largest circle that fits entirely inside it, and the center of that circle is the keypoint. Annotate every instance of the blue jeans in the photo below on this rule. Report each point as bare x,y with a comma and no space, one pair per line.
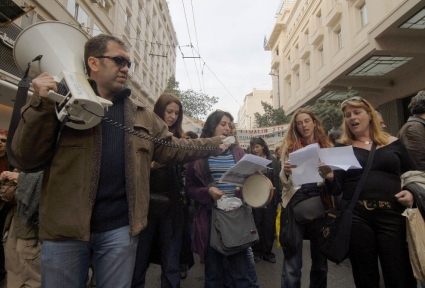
291,273
65,263
238,269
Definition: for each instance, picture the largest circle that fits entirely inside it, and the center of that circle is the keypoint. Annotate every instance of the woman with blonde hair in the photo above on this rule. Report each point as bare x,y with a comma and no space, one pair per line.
378,229
304,129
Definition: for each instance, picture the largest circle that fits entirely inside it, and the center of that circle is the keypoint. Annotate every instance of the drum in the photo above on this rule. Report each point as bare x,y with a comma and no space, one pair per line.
257,190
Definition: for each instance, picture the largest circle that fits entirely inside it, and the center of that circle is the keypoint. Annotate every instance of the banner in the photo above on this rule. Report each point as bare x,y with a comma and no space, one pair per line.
272,135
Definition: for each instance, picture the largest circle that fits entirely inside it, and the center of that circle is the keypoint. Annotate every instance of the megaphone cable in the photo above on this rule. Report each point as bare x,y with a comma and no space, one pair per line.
147,137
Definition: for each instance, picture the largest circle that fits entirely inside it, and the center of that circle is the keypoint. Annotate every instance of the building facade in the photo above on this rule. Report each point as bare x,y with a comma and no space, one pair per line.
252,105
319,48
144,25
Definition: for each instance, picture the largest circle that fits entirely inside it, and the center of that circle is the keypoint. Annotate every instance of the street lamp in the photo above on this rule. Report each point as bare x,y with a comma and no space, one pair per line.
278,94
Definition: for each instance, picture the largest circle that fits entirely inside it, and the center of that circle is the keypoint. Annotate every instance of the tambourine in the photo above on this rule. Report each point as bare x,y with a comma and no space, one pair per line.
257,191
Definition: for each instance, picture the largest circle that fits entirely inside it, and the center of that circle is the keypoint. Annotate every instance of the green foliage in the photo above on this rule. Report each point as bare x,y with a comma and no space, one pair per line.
172,86
195,104
271,117
329,115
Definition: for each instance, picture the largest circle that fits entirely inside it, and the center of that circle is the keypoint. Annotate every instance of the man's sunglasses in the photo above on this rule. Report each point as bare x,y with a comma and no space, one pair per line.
355,98
119,60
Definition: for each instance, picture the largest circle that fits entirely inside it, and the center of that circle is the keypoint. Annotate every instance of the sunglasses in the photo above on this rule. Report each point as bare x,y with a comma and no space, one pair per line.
2,140
355,98
119,60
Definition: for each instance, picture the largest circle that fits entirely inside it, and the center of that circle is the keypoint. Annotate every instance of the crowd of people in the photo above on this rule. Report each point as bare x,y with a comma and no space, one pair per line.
109,203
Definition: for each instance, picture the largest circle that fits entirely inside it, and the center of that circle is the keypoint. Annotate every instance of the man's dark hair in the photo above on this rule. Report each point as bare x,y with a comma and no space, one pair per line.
97,46
212,121
417,104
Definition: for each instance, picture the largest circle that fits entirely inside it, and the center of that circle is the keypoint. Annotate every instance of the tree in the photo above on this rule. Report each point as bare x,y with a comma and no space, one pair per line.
195,104
172,86
271,117
329,114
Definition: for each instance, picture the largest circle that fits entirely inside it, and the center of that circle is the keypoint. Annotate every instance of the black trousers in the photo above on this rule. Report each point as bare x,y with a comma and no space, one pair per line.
265,221
3,215
380,234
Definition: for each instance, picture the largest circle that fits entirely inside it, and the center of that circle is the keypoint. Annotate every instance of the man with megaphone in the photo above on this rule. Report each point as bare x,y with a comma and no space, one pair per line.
95,192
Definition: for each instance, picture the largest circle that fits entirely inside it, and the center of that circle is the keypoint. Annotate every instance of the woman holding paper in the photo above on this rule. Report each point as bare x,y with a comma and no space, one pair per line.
378,229
202,185
304,205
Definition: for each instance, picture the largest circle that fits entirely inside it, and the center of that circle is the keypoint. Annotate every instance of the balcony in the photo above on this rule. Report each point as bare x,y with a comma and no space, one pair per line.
317,36
334,14
287,74
295,64
275,61
305,51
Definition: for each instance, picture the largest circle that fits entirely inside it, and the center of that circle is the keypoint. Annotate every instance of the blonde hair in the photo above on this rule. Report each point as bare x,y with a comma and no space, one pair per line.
292,140
376,133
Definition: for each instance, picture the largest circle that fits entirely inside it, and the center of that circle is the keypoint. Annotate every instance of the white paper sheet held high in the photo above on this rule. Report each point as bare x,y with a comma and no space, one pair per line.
248,165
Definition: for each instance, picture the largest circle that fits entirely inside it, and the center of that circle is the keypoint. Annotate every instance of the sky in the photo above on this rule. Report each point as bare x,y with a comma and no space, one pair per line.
229,36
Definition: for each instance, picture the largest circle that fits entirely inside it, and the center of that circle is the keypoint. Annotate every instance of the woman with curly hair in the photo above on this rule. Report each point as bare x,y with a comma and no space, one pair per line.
304,129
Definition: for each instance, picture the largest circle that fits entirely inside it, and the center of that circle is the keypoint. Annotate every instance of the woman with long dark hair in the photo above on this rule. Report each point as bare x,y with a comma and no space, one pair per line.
304,129
205,191
265,217
161,241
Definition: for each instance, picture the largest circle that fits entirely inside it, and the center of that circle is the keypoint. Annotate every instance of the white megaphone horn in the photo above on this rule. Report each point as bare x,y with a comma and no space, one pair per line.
62,48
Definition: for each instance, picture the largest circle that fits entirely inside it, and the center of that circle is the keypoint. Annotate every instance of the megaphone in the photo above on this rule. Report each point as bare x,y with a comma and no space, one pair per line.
62,48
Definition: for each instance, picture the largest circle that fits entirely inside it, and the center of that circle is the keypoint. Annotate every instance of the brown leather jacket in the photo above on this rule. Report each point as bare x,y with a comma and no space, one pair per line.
70,180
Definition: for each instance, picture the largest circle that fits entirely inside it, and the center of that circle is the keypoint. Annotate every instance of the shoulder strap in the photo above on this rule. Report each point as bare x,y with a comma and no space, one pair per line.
207,172
363,178
20,101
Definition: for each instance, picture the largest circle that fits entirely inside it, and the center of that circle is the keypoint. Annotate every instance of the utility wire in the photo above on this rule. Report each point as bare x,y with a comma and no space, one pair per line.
185,68
190,39
197,44
205,65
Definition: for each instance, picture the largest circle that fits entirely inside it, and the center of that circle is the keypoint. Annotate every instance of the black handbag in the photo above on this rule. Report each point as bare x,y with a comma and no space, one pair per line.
232,231
309,209
336,231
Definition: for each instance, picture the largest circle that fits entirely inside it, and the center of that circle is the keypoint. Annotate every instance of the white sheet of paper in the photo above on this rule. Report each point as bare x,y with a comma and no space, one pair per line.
339,158
307,160
248,165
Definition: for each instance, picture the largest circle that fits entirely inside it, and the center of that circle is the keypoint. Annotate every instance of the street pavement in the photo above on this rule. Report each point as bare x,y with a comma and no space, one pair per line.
268,274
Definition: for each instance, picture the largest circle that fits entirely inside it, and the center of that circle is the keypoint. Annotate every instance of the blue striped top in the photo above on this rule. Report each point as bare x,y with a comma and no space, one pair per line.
218,166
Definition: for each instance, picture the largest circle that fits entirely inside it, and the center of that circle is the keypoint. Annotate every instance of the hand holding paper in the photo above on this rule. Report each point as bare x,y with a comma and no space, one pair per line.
308,158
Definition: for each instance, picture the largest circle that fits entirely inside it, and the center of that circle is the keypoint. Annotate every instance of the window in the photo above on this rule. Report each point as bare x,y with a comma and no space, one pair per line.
319,19
339,40
321,56
307,69
82,16
70,6
78,12
136,67
297,80
289,89
127,19
363,15
306,37
138,40
96,30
